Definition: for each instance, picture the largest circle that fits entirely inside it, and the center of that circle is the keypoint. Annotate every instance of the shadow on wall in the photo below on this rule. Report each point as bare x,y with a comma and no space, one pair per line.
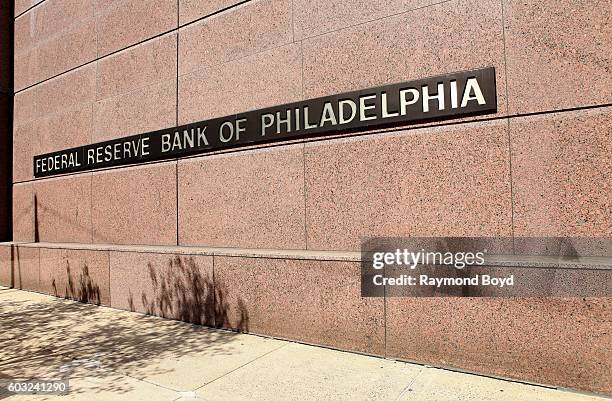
84,289
184,291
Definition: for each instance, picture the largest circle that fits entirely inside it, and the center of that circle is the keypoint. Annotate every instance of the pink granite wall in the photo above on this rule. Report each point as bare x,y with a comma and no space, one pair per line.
92,70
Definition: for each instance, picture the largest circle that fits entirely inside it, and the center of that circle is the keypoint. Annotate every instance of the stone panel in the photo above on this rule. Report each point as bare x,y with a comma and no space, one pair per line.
26,269
173,286
252,199
190,10
136,67
122,23
443,38
313,301
63,209
23,212
443,181
315,17
530,339
135,205
558,54
145,109
265,79
82,275
561,174
234,34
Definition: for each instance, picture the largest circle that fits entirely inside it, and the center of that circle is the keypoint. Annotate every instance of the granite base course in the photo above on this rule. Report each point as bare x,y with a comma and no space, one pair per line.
313,297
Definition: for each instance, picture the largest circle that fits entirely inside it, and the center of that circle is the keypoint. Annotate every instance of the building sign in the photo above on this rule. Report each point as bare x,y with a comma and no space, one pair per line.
449,96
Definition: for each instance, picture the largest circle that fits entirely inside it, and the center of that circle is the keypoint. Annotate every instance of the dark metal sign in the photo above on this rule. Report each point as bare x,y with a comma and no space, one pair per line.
449,96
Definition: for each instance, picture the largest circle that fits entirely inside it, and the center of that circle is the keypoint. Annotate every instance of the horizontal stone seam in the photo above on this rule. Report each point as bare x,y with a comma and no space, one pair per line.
156,36
599,263
29,8
325,138
374,20
179,27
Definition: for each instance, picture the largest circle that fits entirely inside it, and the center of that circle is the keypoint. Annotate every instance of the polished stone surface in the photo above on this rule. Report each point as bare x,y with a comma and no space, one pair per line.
23,139
124,23
235,34
75,274
252,199
26,273
142,110
136,67
556,341
190,10
317,17
265,79
446,181
443,38
172,286
23,212
312,301
76,88
561,174
63,209
6,268
24,109
73,47
558,54
135,205
63,130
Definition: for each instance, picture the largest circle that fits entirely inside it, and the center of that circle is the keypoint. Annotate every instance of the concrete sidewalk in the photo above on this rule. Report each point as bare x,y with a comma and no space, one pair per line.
109,354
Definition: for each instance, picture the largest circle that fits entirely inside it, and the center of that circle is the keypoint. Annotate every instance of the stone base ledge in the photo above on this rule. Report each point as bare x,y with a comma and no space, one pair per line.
585,262
315,297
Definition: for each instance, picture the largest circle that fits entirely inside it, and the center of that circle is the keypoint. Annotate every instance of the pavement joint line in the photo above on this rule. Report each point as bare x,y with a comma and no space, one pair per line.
409,385
242,366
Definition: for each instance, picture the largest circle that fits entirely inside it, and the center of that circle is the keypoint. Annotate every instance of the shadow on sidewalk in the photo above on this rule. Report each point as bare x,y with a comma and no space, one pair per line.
61,339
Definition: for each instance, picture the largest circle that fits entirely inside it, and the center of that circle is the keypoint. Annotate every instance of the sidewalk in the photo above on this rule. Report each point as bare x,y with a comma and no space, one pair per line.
115,355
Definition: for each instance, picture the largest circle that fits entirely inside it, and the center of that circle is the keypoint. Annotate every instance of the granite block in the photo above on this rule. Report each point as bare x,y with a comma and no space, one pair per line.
124,23
443,38
560,174
63,209
173,286
23,212
26,269
190,10
23,151
552,341
81,275
235,34
24,107
76,88
558,54
252,199
142,110
6,265
71,48
320,16
55,16
62,130
261,80
312,301
136,67
25,69
442,181
135,205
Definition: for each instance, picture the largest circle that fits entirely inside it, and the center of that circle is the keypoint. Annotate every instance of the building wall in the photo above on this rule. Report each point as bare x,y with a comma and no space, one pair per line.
92,70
